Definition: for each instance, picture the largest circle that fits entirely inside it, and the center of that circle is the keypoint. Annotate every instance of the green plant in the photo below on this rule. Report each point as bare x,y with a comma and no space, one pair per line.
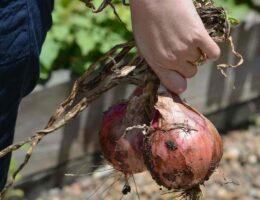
79,37
236,9
15,193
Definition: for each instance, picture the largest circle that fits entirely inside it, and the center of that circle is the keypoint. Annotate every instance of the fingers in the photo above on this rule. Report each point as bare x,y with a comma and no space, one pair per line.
193,55
172,80
187,69
209,47
183,66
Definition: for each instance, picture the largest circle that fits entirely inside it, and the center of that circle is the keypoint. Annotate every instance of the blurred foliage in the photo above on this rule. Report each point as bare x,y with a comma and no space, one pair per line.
236,9
79,37
13,165
12,169
239,8
13,193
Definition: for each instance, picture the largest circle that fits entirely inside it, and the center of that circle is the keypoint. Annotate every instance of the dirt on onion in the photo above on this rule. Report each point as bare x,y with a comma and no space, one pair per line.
123,147
183,148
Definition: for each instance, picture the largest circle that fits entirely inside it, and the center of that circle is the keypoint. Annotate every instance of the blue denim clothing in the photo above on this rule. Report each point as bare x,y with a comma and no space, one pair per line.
23,27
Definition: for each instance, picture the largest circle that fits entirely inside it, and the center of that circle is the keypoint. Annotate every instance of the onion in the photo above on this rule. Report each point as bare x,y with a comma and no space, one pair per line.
124,150
183,148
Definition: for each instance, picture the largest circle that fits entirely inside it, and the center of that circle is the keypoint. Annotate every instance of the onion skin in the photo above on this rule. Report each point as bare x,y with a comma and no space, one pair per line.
124,150
184,147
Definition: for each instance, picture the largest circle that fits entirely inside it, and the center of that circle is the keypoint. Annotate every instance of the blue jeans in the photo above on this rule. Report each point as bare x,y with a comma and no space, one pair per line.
23,27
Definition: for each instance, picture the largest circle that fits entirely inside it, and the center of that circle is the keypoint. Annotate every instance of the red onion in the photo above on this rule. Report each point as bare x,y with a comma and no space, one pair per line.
183,148
124,150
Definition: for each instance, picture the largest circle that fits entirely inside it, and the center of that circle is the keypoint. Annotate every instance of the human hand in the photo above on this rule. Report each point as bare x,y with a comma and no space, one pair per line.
171,37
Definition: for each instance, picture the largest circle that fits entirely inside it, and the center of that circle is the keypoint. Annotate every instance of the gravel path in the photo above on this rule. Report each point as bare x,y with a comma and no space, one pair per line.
238,177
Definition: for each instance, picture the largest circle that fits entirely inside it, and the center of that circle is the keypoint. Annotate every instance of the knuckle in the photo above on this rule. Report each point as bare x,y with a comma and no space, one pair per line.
183,50
169,58
196,35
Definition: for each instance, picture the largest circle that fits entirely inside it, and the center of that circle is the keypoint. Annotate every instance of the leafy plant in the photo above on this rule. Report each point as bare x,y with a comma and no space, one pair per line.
79,37
236,9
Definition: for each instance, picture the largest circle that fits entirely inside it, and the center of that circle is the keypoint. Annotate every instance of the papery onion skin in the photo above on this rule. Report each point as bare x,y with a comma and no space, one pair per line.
124,152
184,147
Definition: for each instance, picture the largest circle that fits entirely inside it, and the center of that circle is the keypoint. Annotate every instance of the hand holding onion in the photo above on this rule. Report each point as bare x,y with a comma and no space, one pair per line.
181,148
